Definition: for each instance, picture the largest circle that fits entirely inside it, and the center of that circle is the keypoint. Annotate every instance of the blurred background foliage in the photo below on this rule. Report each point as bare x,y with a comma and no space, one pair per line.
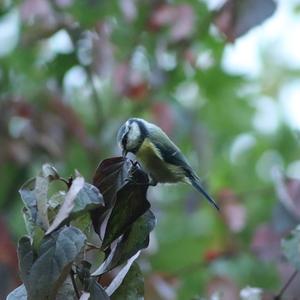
72,71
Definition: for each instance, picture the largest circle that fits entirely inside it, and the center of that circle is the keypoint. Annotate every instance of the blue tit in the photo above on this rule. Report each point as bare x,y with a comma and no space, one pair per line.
158,155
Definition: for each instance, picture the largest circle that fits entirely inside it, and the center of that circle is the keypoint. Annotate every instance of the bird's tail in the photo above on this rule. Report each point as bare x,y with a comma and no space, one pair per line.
195,182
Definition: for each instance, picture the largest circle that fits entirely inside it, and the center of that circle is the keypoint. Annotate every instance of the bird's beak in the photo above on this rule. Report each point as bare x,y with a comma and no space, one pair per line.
124,153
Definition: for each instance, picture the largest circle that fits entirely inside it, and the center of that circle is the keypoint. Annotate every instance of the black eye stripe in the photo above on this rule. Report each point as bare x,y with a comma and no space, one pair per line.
124,139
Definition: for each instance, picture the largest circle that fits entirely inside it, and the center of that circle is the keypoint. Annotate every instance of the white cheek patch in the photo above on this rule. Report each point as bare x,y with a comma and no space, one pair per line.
120,145
121,133
134,135
126,126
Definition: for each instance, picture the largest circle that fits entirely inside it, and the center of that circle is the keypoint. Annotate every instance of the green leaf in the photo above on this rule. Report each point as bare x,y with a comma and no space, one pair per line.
25,257
66,291
83,222
135,239
291,246
117,281
54,203
97,292
131,203
57,253
89,283
37,236
68,205
57,199
34,194
41,191
29,199
50,172
61,64
30,225
132,287
83,273
18,294
94,11
87,199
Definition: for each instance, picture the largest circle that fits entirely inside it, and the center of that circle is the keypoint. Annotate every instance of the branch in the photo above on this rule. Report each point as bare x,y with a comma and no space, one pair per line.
74,284
96,98
284,288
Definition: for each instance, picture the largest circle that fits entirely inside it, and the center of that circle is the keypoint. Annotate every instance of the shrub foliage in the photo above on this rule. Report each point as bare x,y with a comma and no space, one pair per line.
79,232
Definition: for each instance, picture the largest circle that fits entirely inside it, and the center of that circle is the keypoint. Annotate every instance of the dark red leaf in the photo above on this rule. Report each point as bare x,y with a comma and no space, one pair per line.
130,82
212,254
236,17
131,203
137,91
178,18
266,243
109,177
163,116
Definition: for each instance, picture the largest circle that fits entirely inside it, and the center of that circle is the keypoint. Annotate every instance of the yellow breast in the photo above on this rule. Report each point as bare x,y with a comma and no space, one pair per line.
148,152
153,163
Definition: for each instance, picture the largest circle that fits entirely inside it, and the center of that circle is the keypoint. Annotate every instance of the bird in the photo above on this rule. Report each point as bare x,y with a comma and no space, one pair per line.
162,160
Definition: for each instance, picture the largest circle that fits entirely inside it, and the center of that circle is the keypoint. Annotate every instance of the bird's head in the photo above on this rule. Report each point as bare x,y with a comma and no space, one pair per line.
131,135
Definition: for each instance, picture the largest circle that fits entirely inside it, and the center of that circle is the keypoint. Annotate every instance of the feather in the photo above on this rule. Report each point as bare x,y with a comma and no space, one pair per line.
195,182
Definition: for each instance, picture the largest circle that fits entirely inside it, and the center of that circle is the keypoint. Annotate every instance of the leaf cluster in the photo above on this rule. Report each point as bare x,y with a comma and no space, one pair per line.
60,214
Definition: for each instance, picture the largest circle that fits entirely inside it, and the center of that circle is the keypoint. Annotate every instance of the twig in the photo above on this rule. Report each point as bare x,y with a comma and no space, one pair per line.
284,288
74,284
65,181
91,246
96,98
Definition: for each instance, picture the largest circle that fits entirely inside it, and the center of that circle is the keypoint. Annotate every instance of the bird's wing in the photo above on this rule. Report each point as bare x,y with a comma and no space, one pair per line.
172,155
169,151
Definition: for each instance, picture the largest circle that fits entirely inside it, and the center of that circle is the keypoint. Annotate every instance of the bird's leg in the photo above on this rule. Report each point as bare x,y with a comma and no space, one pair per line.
151,181
135,163
129,179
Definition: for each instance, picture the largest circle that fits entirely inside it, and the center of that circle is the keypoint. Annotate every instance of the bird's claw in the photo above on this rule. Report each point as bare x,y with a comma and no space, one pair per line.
135,163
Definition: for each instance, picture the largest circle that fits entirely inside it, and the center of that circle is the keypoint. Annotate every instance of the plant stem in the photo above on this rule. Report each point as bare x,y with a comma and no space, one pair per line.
99,115
74,284
284,288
